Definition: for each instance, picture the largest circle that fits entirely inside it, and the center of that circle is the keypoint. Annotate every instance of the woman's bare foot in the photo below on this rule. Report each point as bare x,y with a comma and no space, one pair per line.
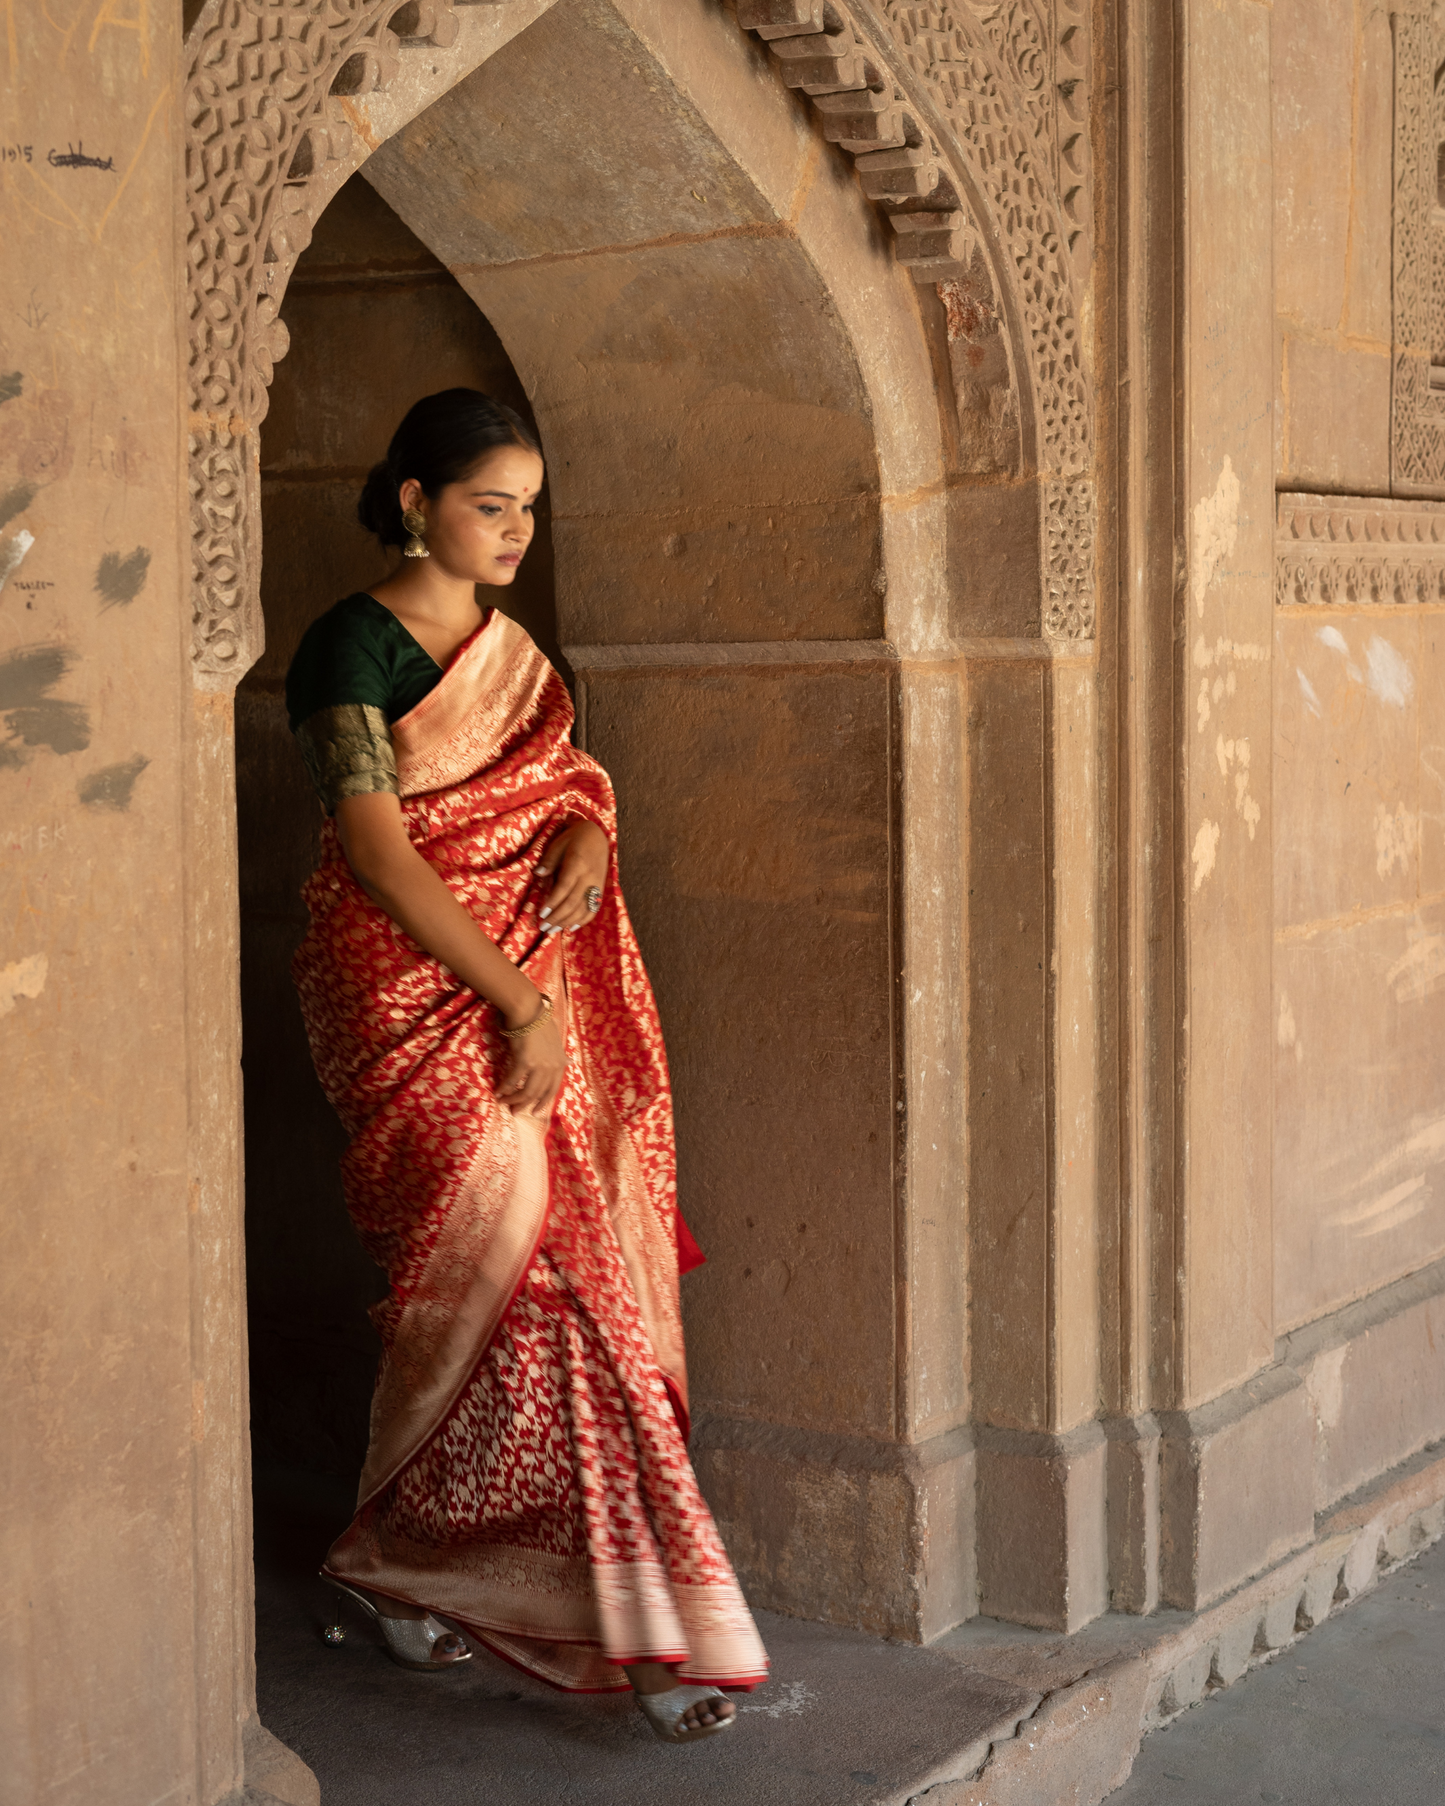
652,1677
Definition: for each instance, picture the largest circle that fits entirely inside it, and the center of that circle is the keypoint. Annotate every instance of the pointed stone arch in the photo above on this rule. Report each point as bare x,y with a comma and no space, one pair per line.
960,170
967,124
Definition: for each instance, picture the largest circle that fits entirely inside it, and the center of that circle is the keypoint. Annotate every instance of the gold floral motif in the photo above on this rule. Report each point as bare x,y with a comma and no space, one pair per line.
348,752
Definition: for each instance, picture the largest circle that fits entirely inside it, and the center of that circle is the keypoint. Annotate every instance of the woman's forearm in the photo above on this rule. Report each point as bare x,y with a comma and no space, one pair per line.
417,899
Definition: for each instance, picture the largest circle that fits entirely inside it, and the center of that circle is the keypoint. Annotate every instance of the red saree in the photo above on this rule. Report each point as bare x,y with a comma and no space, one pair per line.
527,1475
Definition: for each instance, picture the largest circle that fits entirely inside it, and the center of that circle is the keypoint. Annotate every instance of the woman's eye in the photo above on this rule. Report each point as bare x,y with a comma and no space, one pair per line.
490,509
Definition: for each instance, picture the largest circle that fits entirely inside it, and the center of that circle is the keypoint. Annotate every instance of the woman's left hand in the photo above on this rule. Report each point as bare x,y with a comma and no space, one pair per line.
578,855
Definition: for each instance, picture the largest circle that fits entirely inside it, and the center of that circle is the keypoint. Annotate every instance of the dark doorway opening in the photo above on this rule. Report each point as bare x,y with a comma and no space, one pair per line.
375,321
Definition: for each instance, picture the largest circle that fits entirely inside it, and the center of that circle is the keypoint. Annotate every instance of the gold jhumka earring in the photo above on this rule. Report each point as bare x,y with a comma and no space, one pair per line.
415,523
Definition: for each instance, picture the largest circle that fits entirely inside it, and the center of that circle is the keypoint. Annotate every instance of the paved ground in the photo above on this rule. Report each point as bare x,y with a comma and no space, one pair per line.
848,1721
1353,1715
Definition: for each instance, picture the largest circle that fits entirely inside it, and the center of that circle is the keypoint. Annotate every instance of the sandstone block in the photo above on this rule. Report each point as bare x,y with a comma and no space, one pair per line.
1362,1565
1235,1647
1042,1555
1236,1492
1318,1597
1277,1624
843,1529
1187,1681
1133,1502
1337,427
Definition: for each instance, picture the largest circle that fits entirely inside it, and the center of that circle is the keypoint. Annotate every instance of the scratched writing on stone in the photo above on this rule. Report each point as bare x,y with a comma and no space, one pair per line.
34,837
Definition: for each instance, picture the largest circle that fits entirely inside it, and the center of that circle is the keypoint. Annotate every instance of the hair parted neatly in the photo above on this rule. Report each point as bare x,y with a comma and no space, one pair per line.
442,439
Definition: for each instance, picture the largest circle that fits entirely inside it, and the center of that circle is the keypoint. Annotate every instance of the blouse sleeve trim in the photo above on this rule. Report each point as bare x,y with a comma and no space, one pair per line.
348,752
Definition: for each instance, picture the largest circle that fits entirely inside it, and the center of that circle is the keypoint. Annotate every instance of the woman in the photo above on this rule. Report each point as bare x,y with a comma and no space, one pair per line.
480,1017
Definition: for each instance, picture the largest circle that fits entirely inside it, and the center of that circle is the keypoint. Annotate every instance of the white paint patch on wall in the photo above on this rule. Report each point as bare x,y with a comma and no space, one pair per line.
1229,753
1216,530
25,978
1325,1384
1390,676
1307,690
1206,845
1397,839
1425,1146
12,554
1285,1031
1400,1204
1419,971
1336,641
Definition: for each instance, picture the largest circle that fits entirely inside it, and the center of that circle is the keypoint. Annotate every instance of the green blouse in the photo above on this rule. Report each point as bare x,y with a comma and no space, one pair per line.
356,671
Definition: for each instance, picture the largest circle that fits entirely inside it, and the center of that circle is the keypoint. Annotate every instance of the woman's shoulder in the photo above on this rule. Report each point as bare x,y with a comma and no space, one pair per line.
345,655
358,617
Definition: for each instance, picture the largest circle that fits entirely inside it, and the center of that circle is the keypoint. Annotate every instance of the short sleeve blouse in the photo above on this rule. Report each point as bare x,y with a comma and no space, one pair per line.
356,671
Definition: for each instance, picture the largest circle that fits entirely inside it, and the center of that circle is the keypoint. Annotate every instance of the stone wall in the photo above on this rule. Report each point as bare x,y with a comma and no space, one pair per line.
124,1500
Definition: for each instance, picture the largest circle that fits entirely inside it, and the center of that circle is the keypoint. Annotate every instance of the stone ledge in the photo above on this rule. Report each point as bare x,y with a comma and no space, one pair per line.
1106,1687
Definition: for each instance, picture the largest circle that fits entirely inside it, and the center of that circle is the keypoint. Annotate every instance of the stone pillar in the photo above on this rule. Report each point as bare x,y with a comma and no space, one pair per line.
126,1516
1236,1465
1032,1124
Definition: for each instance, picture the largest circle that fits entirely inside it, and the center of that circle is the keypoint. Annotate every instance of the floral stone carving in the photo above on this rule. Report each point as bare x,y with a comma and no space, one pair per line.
1417,397
1358,549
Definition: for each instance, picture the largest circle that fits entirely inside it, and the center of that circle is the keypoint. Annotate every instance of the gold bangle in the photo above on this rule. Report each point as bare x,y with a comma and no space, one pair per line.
544,1015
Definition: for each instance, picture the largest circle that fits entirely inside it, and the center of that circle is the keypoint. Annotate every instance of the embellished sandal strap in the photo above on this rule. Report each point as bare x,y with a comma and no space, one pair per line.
664,1711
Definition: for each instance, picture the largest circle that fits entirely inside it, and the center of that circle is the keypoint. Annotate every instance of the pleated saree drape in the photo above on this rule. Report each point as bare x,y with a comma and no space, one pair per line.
527,1474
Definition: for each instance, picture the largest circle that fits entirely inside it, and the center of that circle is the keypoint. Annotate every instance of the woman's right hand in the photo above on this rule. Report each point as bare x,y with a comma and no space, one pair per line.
535,1070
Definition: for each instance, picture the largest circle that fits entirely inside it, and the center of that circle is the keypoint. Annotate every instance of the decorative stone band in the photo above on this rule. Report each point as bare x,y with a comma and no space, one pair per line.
1417,401
1333,549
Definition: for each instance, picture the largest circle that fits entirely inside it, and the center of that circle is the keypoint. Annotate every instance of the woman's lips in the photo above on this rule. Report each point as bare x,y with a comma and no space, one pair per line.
509,558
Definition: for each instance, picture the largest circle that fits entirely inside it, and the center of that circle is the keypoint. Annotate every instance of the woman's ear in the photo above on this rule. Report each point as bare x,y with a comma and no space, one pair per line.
411,494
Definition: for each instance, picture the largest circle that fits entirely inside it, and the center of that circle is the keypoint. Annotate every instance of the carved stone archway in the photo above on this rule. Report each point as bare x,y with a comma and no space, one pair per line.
968,124
966,128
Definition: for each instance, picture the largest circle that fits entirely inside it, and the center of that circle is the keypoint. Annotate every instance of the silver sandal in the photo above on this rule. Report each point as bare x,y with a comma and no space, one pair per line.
410,1641
663,1711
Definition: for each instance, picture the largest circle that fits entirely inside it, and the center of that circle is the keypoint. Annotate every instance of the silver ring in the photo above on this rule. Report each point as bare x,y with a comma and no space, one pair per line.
592,897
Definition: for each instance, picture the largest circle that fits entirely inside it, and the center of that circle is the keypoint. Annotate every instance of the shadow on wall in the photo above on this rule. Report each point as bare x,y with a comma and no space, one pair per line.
375,321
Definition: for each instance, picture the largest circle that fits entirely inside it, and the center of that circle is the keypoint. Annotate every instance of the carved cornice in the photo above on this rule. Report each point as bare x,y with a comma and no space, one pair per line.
967,120
1333,549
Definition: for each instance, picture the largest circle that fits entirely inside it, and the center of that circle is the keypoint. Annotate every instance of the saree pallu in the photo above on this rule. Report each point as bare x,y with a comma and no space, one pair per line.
527,1475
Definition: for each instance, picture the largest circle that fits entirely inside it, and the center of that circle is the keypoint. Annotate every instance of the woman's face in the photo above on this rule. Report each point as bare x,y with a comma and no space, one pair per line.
480,527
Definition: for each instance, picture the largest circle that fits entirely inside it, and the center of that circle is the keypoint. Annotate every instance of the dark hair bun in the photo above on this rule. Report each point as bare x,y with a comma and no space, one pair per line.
442,439
379,509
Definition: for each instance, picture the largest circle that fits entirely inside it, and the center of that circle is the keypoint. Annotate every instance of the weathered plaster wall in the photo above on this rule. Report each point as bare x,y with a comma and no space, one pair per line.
1332,64
375,323
114,1410
1359,976
1357,773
